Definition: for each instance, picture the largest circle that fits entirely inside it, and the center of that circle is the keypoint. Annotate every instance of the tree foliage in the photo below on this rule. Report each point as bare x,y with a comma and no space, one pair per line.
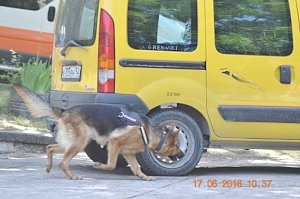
258,27
144,16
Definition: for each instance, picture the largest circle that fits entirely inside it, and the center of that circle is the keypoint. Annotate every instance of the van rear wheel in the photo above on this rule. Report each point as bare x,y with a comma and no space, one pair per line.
191,143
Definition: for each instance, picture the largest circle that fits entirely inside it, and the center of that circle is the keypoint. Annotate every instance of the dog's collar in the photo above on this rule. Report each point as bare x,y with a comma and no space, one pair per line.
162,140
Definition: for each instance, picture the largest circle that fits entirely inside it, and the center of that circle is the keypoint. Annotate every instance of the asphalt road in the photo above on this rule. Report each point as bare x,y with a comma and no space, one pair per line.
24,176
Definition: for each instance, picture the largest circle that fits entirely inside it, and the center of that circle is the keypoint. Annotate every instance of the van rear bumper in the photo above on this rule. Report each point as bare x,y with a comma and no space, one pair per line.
66,100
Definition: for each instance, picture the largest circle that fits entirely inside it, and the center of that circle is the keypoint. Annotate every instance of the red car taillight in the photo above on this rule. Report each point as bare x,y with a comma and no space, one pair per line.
106,54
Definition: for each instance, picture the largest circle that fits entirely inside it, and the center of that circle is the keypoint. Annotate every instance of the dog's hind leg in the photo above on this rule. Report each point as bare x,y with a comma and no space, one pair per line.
78,145
51,150
135,168
112,157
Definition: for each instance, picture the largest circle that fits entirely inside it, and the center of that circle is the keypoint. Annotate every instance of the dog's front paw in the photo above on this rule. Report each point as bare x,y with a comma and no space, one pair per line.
145,177
74,177
97,165
149,178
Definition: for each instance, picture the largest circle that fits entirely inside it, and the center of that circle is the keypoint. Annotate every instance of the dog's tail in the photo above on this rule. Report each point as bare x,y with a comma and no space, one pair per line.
37,106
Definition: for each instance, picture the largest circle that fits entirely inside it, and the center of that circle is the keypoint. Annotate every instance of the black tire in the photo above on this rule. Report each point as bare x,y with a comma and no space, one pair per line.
98,154
191,140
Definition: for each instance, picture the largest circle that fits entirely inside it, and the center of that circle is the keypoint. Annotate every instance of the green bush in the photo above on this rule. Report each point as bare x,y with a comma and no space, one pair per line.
36,75
11,76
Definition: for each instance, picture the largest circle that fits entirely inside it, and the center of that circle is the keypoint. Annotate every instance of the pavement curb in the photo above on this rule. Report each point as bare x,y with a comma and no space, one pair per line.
27,142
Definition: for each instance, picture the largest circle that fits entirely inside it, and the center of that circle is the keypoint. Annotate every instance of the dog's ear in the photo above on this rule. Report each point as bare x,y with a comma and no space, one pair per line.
175,129
171,128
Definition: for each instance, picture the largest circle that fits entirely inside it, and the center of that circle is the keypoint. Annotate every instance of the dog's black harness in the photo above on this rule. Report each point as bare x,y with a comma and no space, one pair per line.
134,119
131,118
162,140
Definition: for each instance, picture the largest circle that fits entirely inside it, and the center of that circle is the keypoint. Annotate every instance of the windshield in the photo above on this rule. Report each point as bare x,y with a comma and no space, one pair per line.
76,21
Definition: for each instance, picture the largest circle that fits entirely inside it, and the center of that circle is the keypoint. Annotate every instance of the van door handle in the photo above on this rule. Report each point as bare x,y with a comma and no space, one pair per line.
241,79
285,74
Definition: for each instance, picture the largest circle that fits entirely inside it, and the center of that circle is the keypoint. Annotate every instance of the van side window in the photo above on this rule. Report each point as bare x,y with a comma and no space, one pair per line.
253,27
162,25
25,4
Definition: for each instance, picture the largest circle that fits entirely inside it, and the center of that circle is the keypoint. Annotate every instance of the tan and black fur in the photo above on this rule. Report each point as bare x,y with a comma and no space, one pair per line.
78,125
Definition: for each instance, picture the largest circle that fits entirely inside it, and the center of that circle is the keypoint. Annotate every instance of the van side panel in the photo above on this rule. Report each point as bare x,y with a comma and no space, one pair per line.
161,83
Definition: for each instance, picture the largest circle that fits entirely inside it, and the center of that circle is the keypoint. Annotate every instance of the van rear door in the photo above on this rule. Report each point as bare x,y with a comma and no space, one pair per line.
76,47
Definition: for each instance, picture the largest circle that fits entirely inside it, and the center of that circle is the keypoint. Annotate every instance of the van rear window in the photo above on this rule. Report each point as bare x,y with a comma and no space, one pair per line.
162,25
76,21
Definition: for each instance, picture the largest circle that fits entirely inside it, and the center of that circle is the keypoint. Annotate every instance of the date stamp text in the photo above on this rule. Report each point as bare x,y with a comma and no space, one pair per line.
227,183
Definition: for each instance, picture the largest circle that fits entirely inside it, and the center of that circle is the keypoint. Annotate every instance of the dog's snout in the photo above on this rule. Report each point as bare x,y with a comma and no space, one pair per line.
177,156
180,154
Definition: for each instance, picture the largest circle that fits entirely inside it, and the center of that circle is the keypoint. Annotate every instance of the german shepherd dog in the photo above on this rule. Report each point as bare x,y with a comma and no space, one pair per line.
107,125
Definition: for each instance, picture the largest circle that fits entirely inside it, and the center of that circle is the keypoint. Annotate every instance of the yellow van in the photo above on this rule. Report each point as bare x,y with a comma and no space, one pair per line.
225,72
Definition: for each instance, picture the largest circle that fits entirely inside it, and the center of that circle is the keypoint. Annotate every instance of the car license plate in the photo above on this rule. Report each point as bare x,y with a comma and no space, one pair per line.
71,73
